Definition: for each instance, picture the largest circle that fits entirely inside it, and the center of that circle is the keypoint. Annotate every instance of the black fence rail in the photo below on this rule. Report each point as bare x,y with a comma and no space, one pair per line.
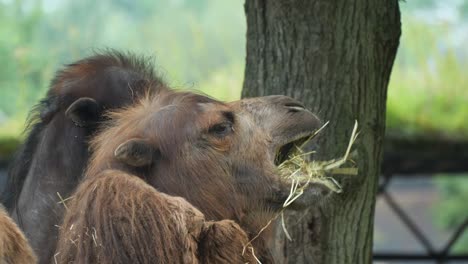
440,255
425,158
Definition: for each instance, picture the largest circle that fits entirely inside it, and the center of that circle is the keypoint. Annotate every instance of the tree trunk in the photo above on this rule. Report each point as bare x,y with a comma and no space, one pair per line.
336,57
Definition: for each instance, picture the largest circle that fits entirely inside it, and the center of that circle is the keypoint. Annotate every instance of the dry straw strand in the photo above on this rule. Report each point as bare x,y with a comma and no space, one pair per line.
301,173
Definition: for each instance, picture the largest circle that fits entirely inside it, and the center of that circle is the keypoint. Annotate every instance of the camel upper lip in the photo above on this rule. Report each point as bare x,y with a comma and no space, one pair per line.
285,149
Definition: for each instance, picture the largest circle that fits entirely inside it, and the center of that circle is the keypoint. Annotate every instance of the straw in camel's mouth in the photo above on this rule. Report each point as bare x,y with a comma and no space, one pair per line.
295,168
287,150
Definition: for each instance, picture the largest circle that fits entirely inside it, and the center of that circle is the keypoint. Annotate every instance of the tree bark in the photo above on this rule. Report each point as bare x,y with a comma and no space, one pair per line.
336,57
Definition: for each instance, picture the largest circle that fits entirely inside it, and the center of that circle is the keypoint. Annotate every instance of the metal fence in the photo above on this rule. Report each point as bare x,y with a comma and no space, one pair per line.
439,255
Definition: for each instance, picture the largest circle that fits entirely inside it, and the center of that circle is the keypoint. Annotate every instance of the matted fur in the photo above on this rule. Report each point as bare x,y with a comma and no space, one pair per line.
225,173
14,248
56,150
105,77
116,218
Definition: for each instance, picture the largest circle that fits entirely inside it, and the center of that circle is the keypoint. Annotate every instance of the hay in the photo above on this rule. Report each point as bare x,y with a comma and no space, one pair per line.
301,172
63,201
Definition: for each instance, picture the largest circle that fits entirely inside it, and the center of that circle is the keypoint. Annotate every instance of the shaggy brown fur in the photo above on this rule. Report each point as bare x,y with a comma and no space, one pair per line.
219,157
122,219
55,153
14,248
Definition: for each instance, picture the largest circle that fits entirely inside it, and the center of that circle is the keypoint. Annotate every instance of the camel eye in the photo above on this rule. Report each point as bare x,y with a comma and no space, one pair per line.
221,129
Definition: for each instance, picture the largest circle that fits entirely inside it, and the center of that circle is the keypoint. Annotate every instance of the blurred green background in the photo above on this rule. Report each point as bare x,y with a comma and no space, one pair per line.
200,44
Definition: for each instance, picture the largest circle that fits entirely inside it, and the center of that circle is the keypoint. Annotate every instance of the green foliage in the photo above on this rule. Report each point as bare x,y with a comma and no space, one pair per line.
427,93
195,43
451,210
8,145
200,44
224,84
428,97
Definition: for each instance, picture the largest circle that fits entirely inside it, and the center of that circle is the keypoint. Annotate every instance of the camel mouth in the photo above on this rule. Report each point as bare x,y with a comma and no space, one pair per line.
285,151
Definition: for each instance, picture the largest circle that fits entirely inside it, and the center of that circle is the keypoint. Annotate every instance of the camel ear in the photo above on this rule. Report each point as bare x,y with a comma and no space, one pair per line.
136,152
83,112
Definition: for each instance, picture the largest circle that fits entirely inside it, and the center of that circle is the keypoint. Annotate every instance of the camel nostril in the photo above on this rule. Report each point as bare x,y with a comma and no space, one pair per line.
294,106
